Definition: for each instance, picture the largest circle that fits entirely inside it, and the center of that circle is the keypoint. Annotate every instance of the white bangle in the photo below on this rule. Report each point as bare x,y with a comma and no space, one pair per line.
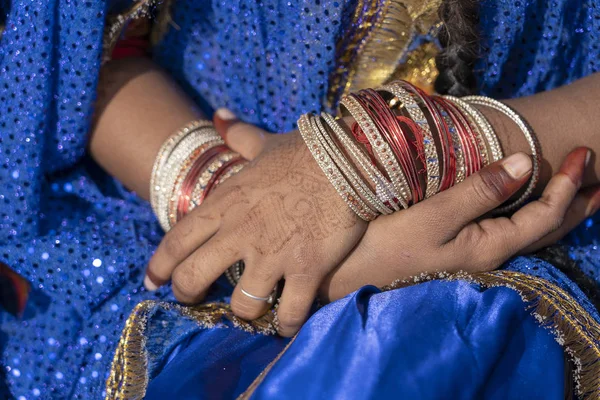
534,144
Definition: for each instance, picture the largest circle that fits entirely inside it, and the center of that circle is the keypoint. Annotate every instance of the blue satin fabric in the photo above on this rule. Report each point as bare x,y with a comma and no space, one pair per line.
83,241
219,363
435,340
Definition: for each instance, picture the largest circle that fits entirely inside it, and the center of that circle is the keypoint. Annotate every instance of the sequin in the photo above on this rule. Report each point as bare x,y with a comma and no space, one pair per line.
269,62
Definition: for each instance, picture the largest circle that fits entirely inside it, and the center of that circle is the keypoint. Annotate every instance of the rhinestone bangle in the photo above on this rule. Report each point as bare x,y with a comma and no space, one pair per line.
431,156
381,149
491,139
331,171
377,179
534,144
163,155
348,170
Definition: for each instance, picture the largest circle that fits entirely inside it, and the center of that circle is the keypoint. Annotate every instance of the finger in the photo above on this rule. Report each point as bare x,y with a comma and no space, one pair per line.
547,215
585,204
298,295
245,139
476,196
493,241
177,245
258,280
193,277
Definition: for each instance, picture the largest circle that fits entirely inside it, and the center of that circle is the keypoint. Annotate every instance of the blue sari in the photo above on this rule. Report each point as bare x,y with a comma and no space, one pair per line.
82,241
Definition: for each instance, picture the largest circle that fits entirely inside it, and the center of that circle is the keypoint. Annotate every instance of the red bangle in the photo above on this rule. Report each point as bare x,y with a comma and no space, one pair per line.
192,176
127,48
212,183
389,126
446,144
472,156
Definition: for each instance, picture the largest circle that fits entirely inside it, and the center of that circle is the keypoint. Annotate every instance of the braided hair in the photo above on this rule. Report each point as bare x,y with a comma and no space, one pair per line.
459,37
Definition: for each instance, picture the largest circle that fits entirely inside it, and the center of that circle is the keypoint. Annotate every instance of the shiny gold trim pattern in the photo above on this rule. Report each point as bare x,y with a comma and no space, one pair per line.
128,378
380,35
419,67
572,326
115,24
349,47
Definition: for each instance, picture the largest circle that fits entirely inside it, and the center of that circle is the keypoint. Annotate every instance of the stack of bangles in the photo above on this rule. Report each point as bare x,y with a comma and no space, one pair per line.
404,146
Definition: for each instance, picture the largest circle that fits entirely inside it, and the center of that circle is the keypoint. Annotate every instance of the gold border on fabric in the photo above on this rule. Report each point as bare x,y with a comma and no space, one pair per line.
128,377
572,326
419,67
378,39
554,309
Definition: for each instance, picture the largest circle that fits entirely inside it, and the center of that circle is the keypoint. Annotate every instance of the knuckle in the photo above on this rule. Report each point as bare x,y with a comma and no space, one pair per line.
553,215
289,320
489,187
303,260
301,279
185,287
555,222
173,244
263,273
243,309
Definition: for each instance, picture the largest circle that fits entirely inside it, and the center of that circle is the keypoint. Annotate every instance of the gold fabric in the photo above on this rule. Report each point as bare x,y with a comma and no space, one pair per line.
381,33
419,67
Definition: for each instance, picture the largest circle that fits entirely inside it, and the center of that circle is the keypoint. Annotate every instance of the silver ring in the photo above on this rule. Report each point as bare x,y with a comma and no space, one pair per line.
268,299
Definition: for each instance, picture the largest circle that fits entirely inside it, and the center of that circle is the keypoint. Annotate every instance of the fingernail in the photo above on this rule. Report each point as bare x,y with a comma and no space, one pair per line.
517,165
225,114
593,205
149,285
591,209
588,156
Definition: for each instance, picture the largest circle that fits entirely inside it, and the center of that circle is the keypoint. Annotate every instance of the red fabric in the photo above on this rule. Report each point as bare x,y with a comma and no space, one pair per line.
126,48
14,290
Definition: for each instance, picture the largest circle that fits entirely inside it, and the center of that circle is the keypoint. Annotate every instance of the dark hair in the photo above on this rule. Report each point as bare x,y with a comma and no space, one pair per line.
459,37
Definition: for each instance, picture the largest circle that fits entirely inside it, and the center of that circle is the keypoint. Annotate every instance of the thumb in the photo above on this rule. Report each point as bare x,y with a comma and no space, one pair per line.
245,139
477,195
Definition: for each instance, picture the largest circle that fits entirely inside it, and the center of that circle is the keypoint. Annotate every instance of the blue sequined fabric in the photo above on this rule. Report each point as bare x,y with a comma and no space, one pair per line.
83,241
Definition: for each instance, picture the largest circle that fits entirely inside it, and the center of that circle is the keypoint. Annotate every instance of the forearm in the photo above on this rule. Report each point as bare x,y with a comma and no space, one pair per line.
138,108
562,119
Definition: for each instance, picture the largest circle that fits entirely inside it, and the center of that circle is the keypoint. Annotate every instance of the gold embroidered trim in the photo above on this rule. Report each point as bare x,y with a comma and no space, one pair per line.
572,326
349,47
419,67
128,378
381,34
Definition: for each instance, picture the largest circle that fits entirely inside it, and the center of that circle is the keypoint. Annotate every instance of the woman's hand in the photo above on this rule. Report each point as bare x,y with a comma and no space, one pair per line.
281,216
445,232
450,231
